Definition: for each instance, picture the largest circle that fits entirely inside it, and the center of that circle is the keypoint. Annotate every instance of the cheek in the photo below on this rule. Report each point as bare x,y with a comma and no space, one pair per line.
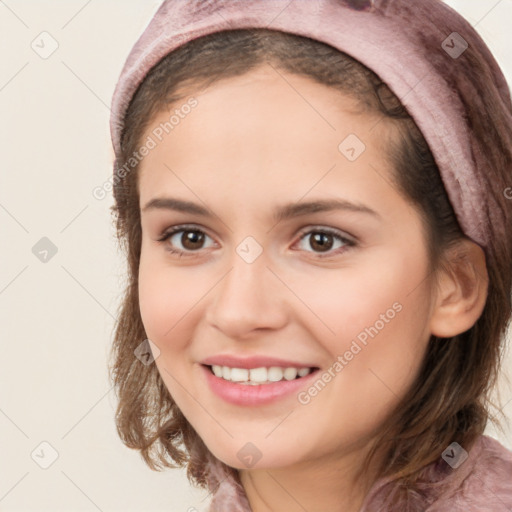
348,300
166,299
376,318
379,342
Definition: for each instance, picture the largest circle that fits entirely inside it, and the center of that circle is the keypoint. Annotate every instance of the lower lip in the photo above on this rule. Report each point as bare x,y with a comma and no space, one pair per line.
246,394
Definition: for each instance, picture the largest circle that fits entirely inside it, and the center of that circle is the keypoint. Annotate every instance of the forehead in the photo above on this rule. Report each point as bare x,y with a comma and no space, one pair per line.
265,130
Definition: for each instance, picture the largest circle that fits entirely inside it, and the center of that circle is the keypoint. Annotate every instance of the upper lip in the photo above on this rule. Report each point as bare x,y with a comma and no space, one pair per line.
255,361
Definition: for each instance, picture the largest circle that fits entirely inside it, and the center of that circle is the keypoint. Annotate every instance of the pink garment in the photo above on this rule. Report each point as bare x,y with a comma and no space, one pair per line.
482,483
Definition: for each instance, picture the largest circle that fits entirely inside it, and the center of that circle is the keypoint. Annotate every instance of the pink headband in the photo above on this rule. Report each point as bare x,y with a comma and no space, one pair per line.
423,50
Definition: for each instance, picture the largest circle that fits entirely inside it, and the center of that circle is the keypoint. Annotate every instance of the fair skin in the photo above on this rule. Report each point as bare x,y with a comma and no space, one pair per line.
251,145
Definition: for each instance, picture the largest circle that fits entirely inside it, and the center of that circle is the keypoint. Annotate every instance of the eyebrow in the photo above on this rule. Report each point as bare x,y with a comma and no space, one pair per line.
280,213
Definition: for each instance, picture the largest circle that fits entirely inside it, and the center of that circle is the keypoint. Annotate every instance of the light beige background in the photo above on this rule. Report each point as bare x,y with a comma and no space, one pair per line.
57,317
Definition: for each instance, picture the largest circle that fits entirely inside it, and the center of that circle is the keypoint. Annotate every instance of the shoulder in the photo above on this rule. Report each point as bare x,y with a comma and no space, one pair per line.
478,481
483,483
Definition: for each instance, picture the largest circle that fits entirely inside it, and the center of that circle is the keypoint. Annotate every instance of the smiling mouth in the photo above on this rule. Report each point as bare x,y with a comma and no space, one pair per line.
259,376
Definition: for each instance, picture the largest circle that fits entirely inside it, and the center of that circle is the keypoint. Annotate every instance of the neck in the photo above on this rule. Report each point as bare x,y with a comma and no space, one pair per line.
331,482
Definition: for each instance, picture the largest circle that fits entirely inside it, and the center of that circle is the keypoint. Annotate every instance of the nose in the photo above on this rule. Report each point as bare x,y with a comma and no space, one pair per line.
249,298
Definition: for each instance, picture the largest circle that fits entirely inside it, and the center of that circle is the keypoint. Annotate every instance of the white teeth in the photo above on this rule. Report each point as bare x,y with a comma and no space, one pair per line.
239,374
258,374
275,374
303,372
261,375
217,370
291,373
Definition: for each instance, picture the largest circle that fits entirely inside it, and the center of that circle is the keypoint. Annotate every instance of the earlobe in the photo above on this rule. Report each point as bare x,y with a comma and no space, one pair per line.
461,290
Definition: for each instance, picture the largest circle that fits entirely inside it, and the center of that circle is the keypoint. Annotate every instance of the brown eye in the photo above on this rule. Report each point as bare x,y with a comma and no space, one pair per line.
182,240
192,240
323,241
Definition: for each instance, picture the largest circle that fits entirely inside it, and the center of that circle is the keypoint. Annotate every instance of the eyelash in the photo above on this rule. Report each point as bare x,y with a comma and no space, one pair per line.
326,231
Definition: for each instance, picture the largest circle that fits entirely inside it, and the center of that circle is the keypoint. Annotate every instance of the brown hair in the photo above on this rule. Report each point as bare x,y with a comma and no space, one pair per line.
450,398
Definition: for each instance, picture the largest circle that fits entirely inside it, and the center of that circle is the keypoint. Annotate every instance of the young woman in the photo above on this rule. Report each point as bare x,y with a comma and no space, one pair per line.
315,202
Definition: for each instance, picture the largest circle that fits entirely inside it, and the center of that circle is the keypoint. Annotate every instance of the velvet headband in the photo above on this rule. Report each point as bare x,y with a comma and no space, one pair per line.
428,55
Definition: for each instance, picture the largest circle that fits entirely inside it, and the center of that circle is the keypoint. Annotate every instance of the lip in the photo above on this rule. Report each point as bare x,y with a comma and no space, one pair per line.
255,361
248,395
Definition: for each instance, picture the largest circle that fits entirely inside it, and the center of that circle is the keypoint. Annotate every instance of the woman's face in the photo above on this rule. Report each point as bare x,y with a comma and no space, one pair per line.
267,271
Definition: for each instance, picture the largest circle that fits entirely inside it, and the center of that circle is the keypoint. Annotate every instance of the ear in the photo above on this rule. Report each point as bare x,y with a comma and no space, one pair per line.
461,293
